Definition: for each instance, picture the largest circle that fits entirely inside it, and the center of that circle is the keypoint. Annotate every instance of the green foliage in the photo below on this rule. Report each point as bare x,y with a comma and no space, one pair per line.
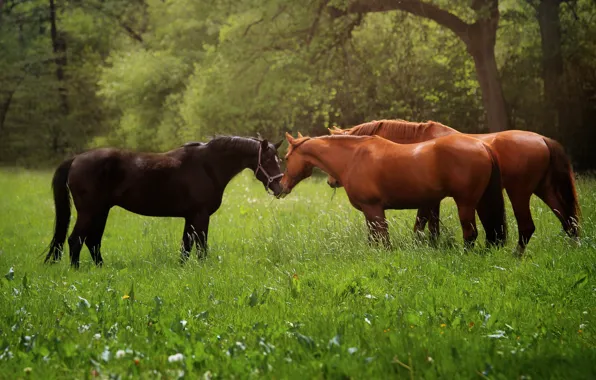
151,74
141,85
290,289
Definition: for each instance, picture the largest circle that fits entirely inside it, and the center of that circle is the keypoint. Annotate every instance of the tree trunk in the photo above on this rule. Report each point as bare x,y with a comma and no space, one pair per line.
6,104
481,47
59,48
552,66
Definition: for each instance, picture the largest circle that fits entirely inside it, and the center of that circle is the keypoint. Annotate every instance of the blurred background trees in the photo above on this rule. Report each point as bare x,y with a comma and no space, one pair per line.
152,74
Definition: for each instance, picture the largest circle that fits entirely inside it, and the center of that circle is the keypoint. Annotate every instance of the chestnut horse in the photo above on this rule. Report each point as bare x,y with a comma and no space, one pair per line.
379,175
530,164
187,182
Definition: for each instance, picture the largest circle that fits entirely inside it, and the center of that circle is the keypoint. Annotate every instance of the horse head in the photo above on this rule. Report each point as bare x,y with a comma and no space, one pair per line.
268,169
297,166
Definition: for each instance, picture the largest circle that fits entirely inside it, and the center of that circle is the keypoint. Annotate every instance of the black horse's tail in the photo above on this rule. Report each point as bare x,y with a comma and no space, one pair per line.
62,206
492,205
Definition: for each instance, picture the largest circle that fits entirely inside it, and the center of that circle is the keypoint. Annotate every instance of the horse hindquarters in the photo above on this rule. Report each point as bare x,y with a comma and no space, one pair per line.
491,208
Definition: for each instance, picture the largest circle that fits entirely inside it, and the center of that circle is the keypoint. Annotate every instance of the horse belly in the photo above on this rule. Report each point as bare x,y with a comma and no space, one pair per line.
155,201
412,191
413,199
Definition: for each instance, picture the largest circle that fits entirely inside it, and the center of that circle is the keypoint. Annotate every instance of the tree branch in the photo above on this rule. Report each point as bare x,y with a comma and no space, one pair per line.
415,7
131,33
251,25
315,23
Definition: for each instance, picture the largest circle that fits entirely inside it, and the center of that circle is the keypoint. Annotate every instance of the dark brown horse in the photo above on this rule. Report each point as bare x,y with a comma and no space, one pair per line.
379,175
187,182
530,164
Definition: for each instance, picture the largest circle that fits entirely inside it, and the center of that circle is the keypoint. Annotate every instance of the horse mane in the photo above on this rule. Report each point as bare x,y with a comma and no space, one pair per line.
246,145
395,129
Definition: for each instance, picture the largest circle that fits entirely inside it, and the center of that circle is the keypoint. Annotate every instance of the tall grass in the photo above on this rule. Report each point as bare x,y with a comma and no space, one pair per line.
291,289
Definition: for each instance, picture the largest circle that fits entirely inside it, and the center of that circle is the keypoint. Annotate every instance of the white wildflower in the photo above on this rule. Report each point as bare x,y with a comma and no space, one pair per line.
175,358
497,335
105,355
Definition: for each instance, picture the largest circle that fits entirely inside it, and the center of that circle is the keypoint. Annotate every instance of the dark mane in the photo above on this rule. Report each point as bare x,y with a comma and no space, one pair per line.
229,143
395,129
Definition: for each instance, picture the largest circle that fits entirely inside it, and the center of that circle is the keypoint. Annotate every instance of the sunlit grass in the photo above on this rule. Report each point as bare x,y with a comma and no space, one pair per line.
291,289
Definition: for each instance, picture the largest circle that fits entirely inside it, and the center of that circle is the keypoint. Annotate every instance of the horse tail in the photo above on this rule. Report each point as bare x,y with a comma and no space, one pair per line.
493,204
560,180
62,206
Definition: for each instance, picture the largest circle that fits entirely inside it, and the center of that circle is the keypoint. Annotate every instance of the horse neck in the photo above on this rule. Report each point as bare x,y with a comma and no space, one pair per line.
229,163
330,155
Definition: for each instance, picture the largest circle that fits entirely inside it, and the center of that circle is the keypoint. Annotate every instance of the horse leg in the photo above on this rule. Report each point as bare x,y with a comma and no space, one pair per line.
433,222
377,225
200,225
467,218
493,230
78,236
93,240
525,225
187,240
422,217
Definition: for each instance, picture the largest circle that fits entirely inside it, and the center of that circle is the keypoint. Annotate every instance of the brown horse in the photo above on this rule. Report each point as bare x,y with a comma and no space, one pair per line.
379,175
530,164
186,182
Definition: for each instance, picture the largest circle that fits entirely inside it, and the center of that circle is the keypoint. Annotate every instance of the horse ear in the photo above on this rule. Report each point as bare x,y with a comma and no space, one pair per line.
264,144
278,144
300,135
289,138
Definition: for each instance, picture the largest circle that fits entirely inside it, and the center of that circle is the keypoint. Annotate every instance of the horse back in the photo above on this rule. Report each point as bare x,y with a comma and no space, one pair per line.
111,176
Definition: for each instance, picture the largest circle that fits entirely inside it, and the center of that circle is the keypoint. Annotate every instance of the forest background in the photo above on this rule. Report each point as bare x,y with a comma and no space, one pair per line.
152,74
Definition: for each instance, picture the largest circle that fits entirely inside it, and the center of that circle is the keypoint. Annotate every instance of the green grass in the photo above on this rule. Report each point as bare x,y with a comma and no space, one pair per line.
291,289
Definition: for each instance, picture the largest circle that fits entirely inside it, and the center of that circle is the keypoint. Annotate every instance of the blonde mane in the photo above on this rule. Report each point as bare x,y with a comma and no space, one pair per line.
400,130
299,141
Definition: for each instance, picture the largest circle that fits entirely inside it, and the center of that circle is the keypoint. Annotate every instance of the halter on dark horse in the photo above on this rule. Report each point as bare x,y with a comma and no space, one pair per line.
186,182
270,178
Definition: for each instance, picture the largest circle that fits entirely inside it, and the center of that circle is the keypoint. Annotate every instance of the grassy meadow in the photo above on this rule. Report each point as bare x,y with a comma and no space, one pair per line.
291,289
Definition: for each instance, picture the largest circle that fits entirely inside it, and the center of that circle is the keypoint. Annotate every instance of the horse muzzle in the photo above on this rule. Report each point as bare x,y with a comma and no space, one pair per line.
333,184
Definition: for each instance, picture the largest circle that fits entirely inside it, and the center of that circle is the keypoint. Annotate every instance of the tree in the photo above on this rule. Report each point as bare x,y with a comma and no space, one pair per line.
479,37
59,49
